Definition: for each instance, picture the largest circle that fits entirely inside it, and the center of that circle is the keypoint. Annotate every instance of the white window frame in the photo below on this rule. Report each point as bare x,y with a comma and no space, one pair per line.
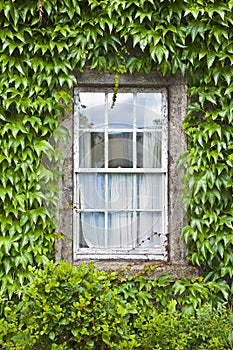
158,252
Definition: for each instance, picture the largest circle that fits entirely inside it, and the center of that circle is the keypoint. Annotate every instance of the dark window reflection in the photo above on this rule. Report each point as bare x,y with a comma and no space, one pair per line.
120,150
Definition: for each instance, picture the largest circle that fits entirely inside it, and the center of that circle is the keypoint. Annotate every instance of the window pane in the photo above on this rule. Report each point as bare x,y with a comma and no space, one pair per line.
92,232
149,149
120,150
127,231
149,229
121,191
91,148
149,109
91,109
149,192
91,194
121,114
97,148
121,230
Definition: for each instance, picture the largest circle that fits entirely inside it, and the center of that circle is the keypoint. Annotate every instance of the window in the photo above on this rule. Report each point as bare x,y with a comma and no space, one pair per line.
120,174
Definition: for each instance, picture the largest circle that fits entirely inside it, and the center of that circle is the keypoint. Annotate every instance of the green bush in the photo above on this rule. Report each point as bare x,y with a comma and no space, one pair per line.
207,329
66,307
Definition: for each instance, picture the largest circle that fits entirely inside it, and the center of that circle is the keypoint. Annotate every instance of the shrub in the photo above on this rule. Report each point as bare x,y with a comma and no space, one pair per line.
207,329
66,307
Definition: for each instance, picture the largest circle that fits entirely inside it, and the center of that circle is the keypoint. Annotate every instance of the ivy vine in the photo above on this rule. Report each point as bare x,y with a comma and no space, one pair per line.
44,43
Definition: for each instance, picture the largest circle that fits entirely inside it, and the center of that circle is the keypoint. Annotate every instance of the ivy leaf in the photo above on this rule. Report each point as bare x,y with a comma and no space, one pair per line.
43,146
7,265
210,58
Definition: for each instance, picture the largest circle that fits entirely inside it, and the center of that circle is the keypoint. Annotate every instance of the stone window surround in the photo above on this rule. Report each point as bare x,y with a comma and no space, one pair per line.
177,105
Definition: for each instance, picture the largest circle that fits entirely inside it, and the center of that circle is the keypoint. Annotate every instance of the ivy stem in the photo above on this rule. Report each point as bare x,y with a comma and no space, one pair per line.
40,9
115,91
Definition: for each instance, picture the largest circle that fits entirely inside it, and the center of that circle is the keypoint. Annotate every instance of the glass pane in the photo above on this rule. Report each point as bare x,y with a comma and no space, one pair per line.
149,191
149,229
121,230
92,232
121,191
91,149
120,150
91,195
149,149
97,150
149,110
121,114
91,109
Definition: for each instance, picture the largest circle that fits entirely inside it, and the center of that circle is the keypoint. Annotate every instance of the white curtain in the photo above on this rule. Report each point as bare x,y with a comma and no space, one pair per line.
152,149
127,228
85,150
92,224
152,139
92,231
149,198
149,224
122,229
121,221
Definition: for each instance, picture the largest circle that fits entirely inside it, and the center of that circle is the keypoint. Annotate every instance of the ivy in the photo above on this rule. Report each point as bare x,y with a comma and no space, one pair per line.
44,43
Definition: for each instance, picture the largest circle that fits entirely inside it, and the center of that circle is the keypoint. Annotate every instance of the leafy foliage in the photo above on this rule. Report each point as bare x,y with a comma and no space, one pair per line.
208,329
72,307
67,307
39,53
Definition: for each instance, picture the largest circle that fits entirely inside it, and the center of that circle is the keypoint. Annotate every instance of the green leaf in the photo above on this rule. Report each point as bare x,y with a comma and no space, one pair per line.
7,263
196,223
210,59
6,242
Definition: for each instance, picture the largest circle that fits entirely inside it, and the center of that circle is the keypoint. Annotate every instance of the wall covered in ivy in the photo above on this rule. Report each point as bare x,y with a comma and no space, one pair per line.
44,43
